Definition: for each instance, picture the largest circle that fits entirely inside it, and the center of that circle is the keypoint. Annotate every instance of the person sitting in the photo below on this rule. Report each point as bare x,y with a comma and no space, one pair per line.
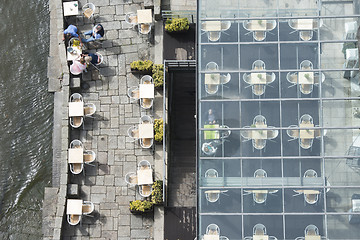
211,117
78,66
71,31
91,58
96,33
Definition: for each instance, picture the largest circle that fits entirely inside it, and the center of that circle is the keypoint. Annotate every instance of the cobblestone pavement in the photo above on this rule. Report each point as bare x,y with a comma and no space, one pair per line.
106,134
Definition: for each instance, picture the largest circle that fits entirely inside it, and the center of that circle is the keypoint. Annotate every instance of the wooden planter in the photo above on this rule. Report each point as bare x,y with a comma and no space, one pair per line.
136,71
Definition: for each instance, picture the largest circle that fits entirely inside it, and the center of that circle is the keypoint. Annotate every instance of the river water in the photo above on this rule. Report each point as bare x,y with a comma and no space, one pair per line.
25,117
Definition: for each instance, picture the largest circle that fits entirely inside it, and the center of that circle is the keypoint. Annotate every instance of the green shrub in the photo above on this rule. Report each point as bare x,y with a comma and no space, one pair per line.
158,75
157,193
141,206
142,65
158,129
177,25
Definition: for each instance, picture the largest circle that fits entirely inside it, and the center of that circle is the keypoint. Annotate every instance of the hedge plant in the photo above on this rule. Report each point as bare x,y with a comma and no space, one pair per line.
157,193
142,65
158,129
140,206
177,25
158,75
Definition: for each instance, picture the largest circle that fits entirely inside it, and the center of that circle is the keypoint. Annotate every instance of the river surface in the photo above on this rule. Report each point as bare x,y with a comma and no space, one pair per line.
26,118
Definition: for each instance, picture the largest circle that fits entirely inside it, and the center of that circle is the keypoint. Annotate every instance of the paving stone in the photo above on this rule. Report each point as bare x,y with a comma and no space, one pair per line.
124,231
107,10
140,233
102,157
98,197
109,180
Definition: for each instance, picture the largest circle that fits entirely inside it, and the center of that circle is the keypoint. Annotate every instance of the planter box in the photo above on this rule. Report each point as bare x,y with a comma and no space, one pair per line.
151,210
147,72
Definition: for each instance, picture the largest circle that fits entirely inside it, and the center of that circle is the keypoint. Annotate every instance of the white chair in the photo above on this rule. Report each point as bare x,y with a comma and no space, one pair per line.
247,25
270,78
144,164
145,190
260,173
351,30
225,133
214,36
224,79
146,142
146,79
292,78
310,173
258,89
133,133
131,18
318,24
259,35
76,122
144,28
100,56
87,207
259,229
258,197
311,230
212,195
306,64
76,97
211,88
246,134
88,10
270,25
224,238
258,65
89,156
131,179
317,132
259,119
212,229
76,144
145,119
318,78
76,168
89,109
293,23
211,173
306,35
247,78
73,219
306,88
146,103
306,118
293,133
310,198
212,66
225,25
306,143
272,134
134,93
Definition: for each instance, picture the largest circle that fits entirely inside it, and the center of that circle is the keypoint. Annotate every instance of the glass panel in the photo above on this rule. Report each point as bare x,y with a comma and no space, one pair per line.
229,226
338,84
338,141
304,200
293,55
342,199
220,200
295,226
219,57
343,226
341,113
262,200
338,56
267,53
338,28
343,171
269,225
219,31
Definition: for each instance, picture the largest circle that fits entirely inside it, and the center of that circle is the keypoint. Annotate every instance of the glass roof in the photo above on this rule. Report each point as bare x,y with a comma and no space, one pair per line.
278,120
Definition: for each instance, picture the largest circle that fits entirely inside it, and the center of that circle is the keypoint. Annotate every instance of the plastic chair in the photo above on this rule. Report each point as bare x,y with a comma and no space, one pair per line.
133,133
144,28
247,25
89,109
293,24
306,88
260,173
246,134
76,97
259,35
214,36
212,66
89,156
310,173
144,164
131,178
87,207
131,18
272,134
145,190
311,230
211,173
259,229
73,219
306,118
258,65
270,78
259,119
146,79
213,229
146,142
134,93
212,195
76,144
270,25
306,143
225,133
306,64
211,88
258,89
146,119
225,25
292,78
208,148
317,78
76,122
224,79
293,133
76,168
88,10
247,79
306,35
146,103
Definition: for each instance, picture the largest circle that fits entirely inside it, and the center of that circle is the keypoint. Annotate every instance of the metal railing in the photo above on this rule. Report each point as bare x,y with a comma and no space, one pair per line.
189,14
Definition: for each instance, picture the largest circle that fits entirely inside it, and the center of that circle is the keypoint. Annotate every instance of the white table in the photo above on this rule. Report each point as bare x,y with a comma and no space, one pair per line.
75,55
74,206
144,16
146,130
71,8
146,90
256,26
76,109
144,177
305,24
303,80
212,78
308,133
313,237
76,155
260,237
259,134
212,26
258,78
211,237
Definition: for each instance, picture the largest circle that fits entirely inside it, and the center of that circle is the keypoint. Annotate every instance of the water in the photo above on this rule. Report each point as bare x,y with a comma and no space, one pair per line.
25,117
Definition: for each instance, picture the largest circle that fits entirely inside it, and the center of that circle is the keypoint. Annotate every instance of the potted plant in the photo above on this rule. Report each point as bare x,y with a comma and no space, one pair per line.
260,22
157,193
259,76
144,67
158,75
158,129
177,25
140,207
307,76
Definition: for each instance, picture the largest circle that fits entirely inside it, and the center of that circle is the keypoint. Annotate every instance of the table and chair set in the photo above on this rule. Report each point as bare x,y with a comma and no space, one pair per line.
78,156
143,178
144,132
78,110
214,29
258,80
76,209
259,28
259,233
213,233
213,79
213,196
143,19
145,92
214,138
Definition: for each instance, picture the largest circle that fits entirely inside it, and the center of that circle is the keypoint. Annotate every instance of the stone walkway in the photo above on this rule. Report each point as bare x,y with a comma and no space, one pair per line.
106,134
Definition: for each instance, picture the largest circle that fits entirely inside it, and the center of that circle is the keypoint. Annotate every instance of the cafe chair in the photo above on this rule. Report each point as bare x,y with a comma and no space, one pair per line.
144,164
144,28
310,173
258,65
259,35
72,41
259,229
211,88
224,79
246,134
146,79
146,103
76,144
293,24
225,25
260,173
76,122
259,144
247,26
146,142
88,10
212,66
212,229
133,133
311,230
258,89
87,207
317,132
259,120
300,238
134,93
293,133
319,24
131,179
223,238
306,88
131,18
146,119
211,173
270,78
306,143
259,198
214,36
292,79
73,219
89,157
212,196
272,134
317,78
145,190
89,109
76,168
247,79
306,118
306,35
306,64
270,25
76,97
